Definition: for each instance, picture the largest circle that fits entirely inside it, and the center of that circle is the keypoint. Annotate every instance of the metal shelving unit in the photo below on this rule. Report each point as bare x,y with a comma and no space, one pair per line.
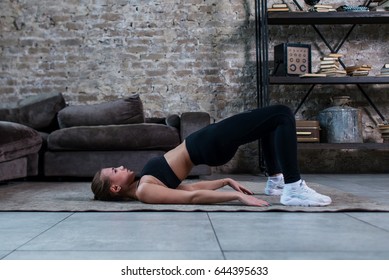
263,19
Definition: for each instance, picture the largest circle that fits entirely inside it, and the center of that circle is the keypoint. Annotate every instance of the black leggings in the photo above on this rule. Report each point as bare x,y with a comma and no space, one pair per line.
275,126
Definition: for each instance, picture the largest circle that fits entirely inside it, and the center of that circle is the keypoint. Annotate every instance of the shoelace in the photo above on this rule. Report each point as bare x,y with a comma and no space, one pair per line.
306,189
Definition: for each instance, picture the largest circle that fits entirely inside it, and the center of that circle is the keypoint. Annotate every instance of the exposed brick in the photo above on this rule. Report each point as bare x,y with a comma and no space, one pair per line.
61,18
178,55
33,51
111,17
71,42
74,26
7,90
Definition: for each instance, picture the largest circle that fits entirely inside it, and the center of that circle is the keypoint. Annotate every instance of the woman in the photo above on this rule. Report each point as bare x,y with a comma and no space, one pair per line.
161,178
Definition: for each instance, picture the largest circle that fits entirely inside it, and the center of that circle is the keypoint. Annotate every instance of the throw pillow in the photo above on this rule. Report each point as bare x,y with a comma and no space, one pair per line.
122,111
38,112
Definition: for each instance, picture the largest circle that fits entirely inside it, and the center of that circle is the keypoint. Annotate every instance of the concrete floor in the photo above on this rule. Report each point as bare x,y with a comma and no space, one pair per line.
200,235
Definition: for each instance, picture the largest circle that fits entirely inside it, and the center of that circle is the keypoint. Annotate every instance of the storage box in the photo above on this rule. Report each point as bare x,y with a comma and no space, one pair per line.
308,131
292,59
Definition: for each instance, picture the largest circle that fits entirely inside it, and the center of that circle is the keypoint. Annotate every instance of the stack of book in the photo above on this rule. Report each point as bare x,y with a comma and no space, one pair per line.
384,129
384,71
278,8
323,8
358,70
330,65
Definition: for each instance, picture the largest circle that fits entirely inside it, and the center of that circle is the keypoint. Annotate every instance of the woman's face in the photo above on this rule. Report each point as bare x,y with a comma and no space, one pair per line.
119,175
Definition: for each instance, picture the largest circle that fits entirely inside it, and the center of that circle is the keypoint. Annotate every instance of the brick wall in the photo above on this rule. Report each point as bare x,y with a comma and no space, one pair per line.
178,55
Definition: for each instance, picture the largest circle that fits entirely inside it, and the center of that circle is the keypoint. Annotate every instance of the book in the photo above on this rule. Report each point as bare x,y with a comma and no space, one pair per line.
362,67
359,73
336,73
358,70
278,9
313,75
329,71
328,58
384,72
336,55
326,62
330,65
323,6
282,5
325,10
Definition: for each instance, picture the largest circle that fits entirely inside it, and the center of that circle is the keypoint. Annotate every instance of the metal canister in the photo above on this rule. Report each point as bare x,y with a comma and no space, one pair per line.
341,124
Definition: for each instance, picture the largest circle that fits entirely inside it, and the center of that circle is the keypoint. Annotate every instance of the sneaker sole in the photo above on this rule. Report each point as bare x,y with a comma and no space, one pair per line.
273,193
307,203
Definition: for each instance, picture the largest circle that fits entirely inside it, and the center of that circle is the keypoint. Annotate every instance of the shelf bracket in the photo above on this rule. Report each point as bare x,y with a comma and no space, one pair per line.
332,49
304,98
372,104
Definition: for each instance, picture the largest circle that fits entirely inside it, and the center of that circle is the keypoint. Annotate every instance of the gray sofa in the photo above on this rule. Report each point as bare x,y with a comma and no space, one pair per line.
20,141
76,141
19,147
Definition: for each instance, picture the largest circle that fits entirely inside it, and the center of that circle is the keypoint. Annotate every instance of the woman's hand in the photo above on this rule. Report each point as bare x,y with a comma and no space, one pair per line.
252,200
237,186
246,194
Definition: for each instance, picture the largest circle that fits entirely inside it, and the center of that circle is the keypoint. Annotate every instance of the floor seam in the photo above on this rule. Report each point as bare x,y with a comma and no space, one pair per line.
42,232
365,222
217,238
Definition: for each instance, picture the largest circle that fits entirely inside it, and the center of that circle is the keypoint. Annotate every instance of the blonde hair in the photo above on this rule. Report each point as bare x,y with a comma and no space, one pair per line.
100,187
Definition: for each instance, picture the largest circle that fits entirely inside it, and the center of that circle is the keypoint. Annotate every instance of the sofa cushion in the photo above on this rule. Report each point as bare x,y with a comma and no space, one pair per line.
17,141
173,120
13,169
122,111
144,136
38,112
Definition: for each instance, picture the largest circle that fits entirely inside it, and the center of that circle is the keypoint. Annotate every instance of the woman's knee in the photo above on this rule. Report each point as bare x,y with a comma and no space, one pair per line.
283,109
284,112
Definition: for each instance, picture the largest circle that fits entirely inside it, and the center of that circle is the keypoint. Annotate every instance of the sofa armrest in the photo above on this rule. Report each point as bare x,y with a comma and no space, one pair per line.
193,121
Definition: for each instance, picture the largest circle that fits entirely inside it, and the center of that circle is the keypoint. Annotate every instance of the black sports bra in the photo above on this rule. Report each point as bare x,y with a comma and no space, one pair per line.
160,169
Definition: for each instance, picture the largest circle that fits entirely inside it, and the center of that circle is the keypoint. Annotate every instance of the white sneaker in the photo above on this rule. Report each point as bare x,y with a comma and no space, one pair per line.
274,186
299,194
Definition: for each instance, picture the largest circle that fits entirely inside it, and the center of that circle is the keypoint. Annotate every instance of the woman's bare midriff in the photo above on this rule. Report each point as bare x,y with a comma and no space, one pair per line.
179,161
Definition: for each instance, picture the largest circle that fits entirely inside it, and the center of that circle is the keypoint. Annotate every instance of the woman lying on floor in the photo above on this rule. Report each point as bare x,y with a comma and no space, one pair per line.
161,178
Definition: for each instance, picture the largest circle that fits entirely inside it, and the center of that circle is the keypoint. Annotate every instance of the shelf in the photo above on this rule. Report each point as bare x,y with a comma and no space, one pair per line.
344,146
290,80
313,19
308,18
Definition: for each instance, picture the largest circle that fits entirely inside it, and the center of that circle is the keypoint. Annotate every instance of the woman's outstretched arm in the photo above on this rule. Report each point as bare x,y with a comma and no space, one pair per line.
214,185
157,194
